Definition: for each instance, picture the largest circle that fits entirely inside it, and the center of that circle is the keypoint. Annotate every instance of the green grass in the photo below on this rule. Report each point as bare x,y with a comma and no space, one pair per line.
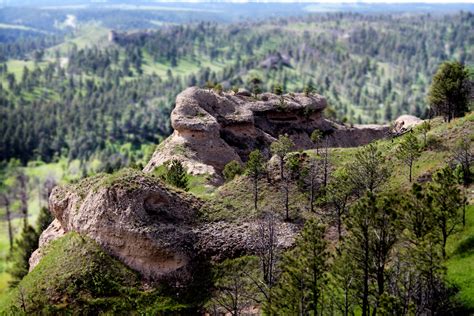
198,185
76,276
461,262
87,36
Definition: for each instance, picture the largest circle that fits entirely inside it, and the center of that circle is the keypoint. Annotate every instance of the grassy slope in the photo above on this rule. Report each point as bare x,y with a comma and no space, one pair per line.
233,200
75,276
461,262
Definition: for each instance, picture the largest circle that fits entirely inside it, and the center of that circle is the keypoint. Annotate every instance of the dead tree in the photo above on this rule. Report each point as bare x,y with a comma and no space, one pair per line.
7,202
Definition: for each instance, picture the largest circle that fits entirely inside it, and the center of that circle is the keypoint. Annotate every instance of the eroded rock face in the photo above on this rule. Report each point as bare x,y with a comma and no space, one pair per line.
211,129
135,218
151,228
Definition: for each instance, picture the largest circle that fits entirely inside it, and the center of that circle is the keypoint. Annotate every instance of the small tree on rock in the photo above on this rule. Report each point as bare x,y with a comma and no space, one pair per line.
256,86
281,147
176,174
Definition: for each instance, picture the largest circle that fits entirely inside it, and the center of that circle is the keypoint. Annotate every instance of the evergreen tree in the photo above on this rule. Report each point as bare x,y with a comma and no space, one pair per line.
338,193
24,247
304,274
176,174
462,155
316,137
44,220
374,229
256,86
254,169
281,147
424,129
449,90
368,171
408,151
446,203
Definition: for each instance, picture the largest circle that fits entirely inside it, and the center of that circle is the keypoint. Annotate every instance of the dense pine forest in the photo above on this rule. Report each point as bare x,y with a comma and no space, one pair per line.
75,99
86,96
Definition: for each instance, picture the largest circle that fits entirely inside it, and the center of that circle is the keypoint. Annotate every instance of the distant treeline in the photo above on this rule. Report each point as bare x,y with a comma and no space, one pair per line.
372,68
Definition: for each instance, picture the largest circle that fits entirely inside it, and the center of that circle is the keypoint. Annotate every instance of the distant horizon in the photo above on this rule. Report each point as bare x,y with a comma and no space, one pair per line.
342,2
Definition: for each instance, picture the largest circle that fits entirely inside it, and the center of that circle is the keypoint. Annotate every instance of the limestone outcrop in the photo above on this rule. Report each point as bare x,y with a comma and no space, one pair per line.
150,227
212,129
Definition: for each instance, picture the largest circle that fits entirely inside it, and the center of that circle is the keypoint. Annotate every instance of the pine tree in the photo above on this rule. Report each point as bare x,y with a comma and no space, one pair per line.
374,229
24,247
176,174
409,151
281,147
338,193
254,169
449,90
446,202
368,171
316,137
304,274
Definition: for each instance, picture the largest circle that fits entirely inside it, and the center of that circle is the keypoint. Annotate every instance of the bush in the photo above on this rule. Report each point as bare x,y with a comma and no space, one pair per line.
176,174
231,170
466,246
434,142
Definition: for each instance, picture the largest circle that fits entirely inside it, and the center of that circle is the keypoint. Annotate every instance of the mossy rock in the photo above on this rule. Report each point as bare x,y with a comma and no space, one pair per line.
76,277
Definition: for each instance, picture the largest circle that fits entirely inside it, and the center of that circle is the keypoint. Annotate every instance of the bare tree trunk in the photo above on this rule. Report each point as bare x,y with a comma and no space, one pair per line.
411,166
326,162
23,195
255,192
311,197
266,251
365,294
7,202
287,193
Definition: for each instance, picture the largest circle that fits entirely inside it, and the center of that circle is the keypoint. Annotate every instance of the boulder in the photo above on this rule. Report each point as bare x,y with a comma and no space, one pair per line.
405,122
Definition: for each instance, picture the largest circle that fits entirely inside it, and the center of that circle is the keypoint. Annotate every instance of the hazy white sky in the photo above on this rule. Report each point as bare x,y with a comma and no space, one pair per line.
350,1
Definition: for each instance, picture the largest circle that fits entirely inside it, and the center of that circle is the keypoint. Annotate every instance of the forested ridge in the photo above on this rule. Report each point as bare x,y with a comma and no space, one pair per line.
385,228
372,68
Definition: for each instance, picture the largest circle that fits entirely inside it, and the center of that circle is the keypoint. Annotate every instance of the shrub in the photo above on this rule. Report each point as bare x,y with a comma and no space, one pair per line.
231,170
176,174
434,142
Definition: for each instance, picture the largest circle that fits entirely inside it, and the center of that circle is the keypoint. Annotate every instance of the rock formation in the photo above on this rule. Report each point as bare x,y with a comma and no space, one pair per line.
211,129
151,228
405,122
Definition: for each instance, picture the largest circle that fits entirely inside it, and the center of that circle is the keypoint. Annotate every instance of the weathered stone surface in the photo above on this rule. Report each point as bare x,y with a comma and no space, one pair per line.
151,228
211,129
54,231
135,218
405,122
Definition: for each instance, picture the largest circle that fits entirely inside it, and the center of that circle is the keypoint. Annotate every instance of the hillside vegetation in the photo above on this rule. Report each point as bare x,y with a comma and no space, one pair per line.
119,288
371,68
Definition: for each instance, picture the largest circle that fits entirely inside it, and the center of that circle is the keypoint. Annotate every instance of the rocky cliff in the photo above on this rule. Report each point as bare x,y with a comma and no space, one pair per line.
212,129
150,227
